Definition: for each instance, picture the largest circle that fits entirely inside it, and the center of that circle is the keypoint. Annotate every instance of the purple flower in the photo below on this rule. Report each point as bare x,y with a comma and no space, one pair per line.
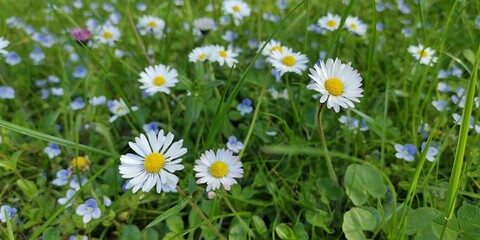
234,145
80,35
77,104
431,152
405,151
80,72
7,92
89,210
151,126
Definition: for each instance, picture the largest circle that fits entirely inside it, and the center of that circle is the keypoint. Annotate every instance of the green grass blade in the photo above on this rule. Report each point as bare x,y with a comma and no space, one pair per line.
48,138
456,175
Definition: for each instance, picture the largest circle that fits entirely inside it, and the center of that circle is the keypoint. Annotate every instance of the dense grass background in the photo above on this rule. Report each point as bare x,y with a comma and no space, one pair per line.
286,192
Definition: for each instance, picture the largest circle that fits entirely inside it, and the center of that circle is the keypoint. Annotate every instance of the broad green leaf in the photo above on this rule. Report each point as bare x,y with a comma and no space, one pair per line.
175,223
469,55
130,232
468,217
362,180
329,189
319,218
51,233
11,162
451,232
357,220
237,231
193,108
260,226
28,188
299,232
419,219
284,231
170,212
149,233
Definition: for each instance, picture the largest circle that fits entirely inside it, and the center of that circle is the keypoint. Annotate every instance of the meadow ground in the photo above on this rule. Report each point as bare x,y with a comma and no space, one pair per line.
239,119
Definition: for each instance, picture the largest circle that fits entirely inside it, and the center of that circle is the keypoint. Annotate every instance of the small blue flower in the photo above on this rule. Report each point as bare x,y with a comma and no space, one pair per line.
477,22
40,83
107,201
44,93
380,26
62,177
276,74
443,74
456,71
96,101
260,63
141,6
151,126
69,195
431,152
245,107
53,79
407,32
88,210
7,92
440,105
9,210
52,150
74,183
405,151
108,7
229,36
37,55
253,43
443,87
12,58
77,104
234,145
80,72
57,91
282,4
224,20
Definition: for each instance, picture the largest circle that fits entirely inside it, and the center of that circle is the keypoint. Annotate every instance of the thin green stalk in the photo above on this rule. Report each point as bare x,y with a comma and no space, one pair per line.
456,175
9,226
331,171
244,224
200,213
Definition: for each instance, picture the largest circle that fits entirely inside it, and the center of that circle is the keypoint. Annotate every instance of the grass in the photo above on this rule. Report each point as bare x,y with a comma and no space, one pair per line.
286,191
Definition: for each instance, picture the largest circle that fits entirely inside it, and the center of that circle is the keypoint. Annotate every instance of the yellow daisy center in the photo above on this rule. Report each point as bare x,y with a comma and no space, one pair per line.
331,23
152,24
353,26
154,162
289,61
223,53
202,56
236,8
276,48
422,53
334,86
219,169
159,81
79,162
107,35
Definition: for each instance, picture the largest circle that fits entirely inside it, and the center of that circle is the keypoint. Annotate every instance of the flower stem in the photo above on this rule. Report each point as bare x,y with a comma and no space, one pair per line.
331,171
200,213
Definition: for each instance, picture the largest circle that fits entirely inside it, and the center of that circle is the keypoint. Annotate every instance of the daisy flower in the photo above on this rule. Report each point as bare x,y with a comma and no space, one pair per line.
108,34
354,25
338,83
217,169
204,24
270,47
423,54
223,56
330,22
3,44
237,8
158,78
154,163
118,108
200,54
150,24
288,61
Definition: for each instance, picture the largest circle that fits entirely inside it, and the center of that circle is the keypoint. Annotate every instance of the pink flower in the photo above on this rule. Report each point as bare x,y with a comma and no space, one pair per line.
80,35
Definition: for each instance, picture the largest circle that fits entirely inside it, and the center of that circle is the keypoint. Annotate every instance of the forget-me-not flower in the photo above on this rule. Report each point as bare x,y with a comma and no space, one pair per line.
9,210
405,151
88,210
245,106
7,92
52,150
62,177
69,195
234,145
